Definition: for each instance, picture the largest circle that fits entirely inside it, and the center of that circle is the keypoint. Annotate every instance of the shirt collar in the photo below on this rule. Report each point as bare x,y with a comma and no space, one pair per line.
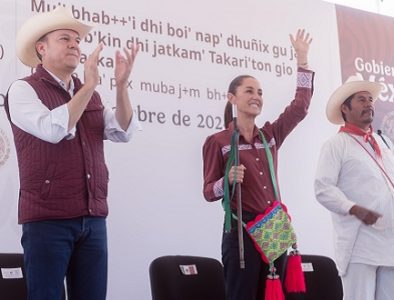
255,129
62,83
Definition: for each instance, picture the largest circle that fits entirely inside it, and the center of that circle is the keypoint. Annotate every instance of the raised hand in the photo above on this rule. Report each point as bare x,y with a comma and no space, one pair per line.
301,44
91,72
124,64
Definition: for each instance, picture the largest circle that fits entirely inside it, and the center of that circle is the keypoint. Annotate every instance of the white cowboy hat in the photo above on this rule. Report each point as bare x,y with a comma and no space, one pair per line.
353,84
39,25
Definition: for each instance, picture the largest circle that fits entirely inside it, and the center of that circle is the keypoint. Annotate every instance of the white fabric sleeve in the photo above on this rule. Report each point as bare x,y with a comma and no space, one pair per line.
29,114
113,131
326,189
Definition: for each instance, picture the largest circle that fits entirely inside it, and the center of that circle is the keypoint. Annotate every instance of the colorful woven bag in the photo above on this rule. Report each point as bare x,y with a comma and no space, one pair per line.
272,232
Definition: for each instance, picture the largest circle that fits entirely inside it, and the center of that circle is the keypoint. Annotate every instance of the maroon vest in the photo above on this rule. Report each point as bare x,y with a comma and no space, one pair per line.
68,179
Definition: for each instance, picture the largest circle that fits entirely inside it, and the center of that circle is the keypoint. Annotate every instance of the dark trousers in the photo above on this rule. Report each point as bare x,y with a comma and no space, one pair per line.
248,283
71,248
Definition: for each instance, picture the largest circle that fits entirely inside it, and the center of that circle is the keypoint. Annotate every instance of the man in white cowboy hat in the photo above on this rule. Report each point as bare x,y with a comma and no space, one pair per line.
59,125
355,181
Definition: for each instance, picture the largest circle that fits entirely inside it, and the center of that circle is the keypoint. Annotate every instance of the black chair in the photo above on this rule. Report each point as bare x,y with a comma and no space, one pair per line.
12,277
321,279
186,278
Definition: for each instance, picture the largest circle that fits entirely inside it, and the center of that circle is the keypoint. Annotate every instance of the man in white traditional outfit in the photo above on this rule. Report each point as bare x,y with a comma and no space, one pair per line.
355,181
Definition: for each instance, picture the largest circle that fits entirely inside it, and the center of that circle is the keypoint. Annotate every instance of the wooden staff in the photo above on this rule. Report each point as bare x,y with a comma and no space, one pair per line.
238,194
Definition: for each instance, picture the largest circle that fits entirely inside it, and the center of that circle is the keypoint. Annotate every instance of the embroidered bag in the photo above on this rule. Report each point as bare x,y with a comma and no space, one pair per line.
272,232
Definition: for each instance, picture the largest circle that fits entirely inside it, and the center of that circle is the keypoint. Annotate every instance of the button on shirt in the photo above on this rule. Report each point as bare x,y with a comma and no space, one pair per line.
32,116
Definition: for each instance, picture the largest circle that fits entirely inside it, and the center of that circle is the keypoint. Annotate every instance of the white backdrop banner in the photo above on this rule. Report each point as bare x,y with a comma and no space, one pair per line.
189,53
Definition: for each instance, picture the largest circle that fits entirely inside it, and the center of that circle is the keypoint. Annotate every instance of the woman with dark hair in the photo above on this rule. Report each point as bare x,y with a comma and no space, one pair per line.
253,172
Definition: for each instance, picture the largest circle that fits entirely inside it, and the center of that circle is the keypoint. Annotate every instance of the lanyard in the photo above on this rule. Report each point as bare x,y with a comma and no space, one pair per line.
232,161
270,164
380,165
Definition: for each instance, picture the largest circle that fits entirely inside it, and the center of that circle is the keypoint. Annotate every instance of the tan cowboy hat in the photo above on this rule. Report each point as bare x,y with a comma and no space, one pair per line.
39,25
353,84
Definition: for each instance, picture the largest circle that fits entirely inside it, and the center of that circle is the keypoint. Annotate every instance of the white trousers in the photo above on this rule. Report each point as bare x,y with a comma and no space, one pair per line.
366,282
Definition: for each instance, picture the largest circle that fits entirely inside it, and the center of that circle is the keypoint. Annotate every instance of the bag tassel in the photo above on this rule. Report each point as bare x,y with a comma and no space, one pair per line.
295,280
273,286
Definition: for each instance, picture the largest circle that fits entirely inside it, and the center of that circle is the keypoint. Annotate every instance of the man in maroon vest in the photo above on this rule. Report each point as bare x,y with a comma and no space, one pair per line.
59,125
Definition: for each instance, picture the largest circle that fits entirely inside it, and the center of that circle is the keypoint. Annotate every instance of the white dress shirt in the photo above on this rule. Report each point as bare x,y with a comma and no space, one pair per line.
347,175
29,114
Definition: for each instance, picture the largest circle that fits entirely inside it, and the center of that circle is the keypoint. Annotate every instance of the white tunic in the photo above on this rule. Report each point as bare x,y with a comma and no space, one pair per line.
347,175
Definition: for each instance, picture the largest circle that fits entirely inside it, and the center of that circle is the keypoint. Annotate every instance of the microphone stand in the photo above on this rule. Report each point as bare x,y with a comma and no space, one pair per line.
384,140
238,194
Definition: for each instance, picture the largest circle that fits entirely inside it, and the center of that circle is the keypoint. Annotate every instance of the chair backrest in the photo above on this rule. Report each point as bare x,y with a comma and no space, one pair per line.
12,277
186,278
321,279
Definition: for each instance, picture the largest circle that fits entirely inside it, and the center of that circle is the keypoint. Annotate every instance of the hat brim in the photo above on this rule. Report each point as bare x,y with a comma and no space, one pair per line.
333,108
39,25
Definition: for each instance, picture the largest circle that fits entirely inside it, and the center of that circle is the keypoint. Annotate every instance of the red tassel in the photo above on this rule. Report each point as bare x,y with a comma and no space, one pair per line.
295,280
273,288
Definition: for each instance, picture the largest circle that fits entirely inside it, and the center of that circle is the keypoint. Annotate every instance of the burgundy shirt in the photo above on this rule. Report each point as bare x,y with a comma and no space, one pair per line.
257,188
